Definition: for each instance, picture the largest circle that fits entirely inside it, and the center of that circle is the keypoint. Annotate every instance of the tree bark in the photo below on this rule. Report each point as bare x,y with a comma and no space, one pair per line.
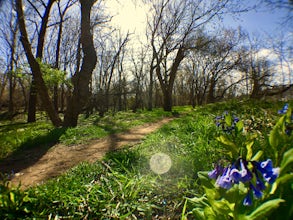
35,67
82,78
32,102
167,84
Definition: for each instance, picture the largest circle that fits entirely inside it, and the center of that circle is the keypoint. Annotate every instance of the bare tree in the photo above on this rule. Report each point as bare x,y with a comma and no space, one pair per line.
82,78
112,49
3,81
139,64
34,65
258,69
172,27
286,5
61,12
9,35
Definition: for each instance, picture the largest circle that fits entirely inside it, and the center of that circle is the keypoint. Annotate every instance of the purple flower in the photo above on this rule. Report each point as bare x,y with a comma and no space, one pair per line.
221,122
259,183
267,165
248,199
240,172
235,175
243,175
235,119
256,192
270,177
284,109
216,172
267,170
225,181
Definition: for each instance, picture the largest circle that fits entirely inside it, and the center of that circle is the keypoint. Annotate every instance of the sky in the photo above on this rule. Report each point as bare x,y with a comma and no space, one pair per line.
264,23
261,21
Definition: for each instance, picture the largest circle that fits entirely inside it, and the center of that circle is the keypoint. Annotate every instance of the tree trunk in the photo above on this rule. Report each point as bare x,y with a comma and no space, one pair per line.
82,78
255,90
11,73
167,106
211,93
151,85
32,102
11,92
35,67
167,85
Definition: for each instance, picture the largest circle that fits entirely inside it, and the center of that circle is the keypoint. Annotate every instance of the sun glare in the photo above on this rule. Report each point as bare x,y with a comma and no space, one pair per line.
160,163
127,15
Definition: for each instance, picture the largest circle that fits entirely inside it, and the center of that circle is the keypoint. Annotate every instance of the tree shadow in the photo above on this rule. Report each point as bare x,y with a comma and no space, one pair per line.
30,152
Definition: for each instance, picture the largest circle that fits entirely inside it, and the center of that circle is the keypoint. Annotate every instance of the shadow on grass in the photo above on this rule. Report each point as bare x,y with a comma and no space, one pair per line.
30,152
110,126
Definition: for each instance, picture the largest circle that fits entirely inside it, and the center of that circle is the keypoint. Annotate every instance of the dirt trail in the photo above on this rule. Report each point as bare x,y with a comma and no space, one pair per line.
60,158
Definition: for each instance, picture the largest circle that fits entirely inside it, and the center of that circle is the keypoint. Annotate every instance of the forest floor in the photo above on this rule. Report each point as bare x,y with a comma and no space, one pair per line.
60,158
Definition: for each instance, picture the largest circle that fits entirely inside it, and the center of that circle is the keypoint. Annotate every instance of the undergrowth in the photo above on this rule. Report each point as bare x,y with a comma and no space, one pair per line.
122,185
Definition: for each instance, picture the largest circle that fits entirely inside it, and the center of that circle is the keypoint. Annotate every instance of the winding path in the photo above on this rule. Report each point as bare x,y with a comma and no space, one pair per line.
60,158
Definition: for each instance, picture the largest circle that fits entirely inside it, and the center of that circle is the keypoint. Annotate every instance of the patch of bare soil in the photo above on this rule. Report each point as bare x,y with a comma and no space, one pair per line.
60,158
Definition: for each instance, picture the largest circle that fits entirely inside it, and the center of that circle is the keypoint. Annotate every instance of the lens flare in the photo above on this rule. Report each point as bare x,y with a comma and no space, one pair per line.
160,163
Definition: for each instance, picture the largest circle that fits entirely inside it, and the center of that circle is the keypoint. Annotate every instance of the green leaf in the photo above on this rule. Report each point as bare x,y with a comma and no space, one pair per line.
275,135
286,161
288,115
183,216
199,214
210,214
205,180
281,180
230,146
12,197
265,209
228,120
257,156
249,150
240,126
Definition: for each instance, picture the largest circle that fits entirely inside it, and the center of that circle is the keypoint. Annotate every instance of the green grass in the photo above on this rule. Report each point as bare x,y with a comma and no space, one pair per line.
21,135
123,186
17,136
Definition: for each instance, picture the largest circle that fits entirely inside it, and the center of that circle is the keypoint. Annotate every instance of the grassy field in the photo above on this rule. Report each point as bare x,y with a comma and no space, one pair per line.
123,185
15,135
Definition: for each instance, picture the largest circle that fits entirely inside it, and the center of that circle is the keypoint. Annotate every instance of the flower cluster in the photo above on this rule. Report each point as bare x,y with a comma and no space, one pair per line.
227,127
254,178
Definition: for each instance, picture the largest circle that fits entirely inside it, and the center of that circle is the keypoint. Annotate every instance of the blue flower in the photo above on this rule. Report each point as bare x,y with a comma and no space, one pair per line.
235,175
235,119
271,176
240,172
216,172
267,165
284,109
256,192
225,181
267,170
259,183
220,122
248,199
243,175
